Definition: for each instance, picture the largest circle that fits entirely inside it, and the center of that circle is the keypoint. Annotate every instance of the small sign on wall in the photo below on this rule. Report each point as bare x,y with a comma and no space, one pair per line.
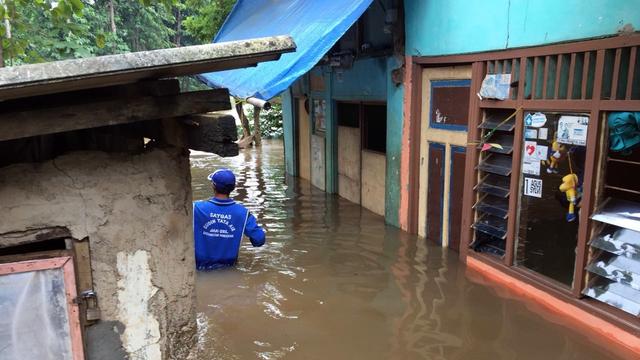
533,187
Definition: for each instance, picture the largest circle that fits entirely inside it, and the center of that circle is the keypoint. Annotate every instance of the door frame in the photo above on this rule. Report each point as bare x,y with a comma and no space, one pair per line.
449,137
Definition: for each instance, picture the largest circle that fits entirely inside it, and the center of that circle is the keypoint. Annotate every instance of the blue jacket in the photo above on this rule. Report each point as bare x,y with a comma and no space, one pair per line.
218,226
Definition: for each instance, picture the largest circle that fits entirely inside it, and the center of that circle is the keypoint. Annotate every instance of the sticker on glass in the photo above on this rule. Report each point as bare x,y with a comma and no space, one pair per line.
541,152
543,133
535,120
572,130
533,187
531,167
530,133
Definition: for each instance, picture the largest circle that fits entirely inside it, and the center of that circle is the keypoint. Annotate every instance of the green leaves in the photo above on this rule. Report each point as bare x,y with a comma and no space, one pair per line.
100,40
48,30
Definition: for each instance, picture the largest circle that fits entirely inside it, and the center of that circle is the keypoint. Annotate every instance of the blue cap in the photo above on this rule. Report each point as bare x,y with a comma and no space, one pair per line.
223,180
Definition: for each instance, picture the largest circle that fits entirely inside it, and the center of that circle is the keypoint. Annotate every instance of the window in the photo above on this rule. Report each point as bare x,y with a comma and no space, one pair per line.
348,114
552,175
37,307
449,104
374,128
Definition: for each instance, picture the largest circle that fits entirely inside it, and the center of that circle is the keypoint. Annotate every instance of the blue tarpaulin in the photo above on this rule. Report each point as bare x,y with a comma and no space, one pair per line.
314,25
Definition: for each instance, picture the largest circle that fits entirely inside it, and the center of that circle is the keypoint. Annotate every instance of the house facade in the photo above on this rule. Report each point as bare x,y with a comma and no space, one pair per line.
96,241
498,121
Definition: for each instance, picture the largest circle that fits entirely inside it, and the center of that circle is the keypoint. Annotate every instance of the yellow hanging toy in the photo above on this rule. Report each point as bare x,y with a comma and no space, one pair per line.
569,188
558,151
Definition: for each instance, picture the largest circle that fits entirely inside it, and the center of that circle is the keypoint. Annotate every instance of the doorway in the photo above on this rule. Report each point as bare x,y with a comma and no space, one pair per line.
444,119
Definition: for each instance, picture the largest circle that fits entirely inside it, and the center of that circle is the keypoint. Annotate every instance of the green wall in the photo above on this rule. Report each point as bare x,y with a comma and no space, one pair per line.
435,27
395,96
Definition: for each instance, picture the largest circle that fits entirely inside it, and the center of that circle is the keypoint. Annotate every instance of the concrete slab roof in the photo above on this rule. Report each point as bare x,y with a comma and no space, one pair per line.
77,74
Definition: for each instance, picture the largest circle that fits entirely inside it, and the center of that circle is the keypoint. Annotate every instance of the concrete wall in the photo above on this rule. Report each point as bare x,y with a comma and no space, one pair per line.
463,26
395,97
304,143
349,163
136,211
365,81
373,181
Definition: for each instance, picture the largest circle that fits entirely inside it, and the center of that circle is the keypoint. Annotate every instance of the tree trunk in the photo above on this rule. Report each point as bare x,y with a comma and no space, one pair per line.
112,17
178,38
257,138
246,132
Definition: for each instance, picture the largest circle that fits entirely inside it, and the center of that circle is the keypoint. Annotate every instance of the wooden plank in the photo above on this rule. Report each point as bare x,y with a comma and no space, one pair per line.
616,74
545,75
435,184
572,69
33,265
73,309
164,87
556,90
82,258
585,76
564,48
632,67
522,78
534,77
414,147
514,186
470,173
514,92
458,159
30,236
620,105
591,156
41,121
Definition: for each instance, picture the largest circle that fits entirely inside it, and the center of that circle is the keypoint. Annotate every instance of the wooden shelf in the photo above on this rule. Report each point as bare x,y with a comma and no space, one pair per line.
622,189
630,162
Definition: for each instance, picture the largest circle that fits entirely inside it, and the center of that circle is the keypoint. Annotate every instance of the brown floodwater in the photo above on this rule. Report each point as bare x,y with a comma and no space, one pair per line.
335,282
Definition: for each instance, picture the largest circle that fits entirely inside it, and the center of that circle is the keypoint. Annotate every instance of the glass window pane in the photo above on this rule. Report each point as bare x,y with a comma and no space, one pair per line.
551,188
34,322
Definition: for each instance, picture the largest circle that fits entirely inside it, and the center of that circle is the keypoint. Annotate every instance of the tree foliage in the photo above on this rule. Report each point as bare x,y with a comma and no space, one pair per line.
45,30
270,121
206,17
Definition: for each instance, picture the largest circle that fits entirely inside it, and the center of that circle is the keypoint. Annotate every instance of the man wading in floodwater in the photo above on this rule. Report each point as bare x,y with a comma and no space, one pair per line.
218,225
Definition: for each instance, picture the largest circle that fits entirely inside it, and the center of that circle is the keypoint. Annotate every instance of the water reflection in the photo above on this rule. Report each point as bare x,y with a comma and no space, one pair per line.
333,282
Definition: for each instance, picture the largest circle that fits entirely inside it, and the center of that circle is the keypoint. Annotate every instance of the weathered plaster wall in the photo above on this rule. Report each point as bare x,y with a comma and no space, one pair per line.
463,26
373,181
136,212
349,163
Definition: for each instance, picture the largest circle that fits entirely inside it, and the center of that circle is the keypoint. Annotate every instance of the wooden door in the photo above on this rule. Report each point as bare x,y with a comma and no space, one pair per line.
456,187
436,190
